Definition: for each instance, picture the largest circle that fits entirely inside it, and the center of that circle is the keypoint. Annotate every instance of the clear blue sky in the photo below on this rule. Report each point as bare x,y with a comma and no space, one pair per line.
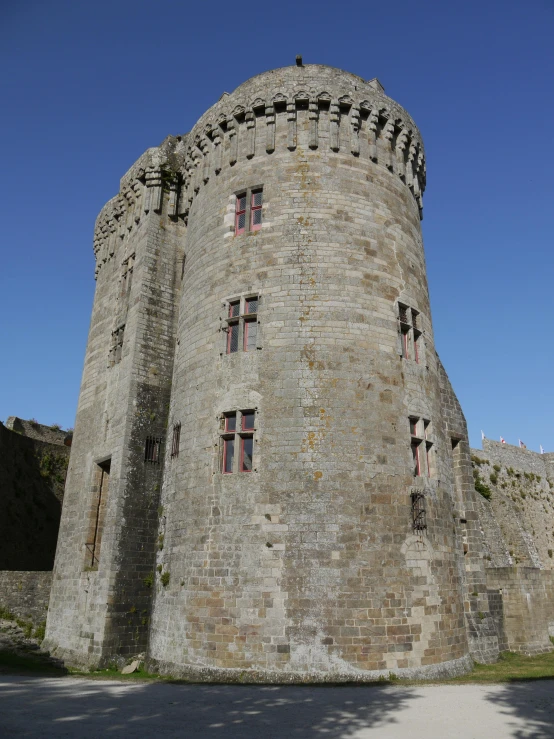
86,87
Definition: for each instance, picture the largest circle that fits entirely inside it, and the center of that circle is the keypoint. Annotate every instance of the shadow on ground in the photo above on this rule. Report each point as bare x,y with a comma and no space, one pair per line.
530,702
58,707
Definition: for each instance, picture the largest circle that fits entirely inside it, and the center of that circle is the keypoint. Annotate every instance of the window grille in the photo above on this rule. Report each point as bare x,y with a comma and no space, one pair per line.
152,449
176,439
419,513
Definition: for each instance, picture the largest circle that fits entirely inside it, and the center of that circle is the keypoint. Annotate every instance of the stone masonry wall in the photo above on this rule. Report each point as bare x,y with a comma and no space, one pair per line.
25,594
527,604
32,479
518,518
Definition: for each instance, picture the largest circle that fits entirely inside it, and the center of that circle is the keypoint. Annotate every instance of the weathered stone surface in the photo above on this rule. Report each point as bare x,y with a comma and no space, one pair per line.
313,566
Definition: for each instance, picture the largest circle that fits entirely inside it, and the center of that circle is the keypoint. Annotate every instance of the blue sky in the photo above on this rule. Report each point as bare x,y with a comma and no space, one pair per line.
87,87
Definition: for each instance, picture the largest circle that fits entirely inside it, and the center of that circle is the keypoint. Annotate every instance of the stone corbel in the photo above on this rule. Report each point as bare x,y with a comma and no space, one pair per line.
313,116
232,127
372,122
137,189
355,138
291,126
154,191
270,130
217,150
401,143
250,134
334,126
388,133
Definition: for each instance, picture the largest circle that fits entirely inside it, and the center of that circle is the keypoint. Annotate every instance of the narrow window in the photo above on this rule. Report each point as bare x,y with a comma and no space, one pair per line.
256,211
409,332
152,449
240,214
247,447
406,343
416,459
96,528
233,338
250,335
228,455
176,439
419,513
234,309
251,305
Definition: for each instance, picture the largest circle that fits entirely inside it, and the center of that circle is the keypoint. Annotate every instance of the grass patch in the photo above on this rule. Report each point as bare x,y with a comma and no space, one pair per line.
112,673
511,666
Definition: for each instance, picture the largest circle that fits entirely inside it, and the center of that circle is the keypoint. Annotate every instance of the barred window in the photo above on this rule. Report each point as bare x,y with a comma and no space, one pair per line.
176,440
152,449
237,433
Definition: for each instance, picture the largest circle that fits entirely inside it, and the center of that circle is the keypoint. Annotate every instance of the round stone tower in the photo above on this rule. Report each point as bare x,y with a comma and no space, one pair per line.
307,501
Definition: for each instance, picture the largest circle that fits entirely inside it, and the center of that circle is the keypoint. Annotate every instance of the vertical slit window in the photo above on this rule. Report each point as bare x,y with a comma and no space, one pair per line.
416,459
228,455
176,440
419,513
240,214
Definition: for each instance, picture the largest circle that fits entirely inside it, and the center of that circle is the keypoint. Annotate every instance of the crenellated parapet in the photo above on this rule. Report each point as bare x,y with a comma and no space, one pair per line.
141,191
307,108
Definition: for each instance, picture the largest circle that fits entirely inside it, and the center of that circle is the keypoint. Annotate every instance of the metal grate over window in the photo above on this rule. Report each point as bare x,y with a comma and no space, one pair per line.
176,440
152,449
419,513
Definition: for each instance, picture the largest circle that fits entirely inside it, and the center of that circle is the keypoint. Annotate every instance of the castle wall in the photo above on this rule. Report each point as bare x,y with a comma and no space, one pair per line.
308,565
527,598
483,635
25,594
521,505
101,597
32,477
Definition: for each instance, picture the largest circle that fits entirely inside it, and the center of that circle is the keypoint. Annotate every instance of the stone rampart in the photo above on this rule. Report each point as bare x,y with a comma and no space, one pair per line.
32,479
526,617
25,594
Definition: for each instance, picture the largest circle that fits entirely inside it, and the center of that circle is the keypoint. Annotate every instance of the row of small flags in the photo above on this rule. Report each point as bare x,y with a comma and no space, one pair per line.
503,441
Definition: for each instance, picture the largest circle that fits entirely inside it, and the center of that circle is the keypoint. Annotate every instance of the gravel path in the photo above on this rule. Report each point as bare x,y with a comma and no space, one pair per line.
75,707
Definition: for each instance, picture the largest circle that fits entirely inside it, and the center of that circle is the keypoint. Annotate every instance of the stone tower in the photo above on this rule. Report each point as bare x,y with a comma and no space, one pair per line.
262,476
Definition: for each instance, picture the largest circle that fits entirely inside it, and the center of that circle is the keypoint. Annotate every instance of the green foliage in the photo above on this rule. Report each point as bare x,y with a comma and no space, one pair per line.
523,495
149,580
550,553
8,615
40,631
478,461
159,568
496,467
165,579
481,488
510,471
493,477
56,427
160,542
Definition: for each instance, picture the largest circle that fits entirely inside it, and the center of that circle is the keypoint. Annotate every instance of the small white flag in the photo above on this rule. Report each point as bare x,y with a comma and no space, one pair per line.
542,450
502,441
482,434
521,444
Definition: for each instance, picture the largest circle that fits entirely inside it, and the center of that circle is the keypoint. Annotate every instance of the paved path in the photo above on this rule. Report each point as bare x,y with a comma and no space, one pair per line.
74,707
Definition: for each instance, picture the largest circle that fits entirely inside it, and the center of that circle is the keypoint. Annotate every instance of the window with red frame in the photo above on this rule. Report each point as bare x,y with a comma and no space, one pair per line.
242,325
237,432
240,214
408,328
248,210
256,211
421,446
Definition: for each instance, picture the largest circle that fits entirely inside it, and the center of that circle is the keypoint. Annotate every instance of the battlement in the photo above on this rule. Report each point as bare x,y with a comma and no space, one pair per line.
310,108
